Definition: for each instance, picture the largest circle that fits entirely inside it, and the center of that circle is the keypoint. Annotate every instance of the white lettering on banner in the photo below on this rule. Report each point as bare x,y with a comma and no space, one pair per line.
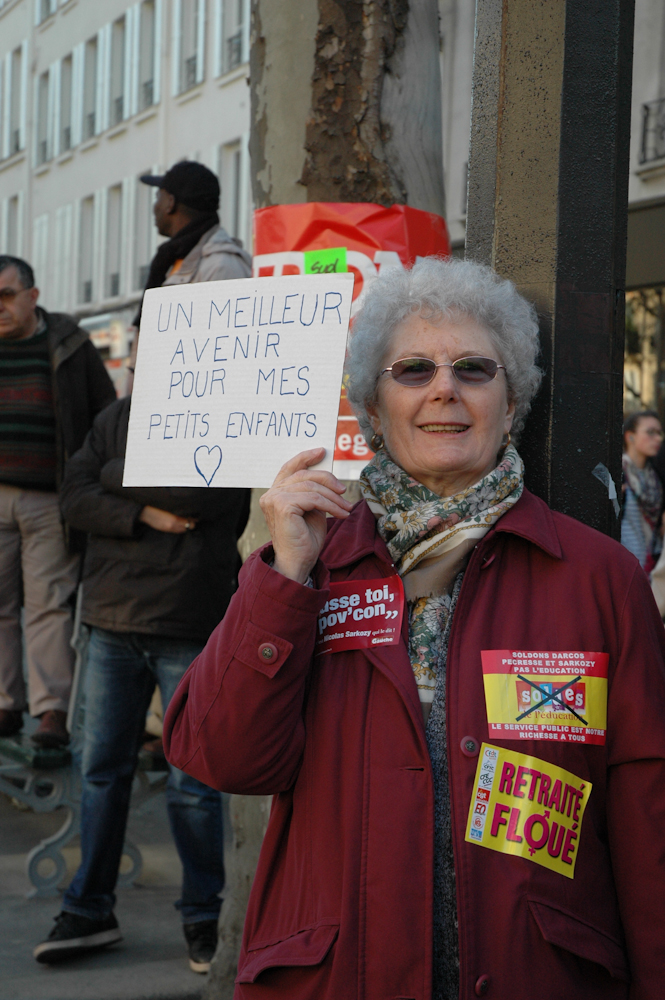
235,377
379,601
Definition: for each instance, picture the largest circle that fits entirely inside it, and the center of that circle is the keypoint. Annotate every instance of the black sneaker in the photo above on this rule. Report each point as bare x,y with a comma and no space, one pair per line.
74,935
201,944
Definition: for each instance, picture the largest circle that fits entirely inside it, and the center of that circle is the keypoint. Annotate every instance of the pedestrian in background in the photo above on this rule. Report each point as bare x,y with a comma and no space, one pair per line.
52,385
159,571
198,247
641,529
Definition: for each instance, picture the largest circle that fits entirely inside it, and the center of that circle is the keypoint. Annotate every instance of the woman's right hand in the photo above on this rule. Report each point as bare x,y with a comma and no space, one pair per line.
295,509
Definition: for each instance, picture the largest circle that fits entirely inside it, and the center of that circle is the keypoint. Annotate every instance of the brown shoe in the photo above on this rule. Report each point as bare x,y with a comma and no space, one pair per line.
52,730
11,721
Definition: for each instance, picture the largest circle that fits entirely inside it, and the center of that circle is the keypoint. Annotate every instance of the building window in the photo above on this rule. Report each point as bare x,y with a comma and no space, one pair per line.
44,9
90,89
16,98
231,35
189,43
143,233
86,250
146,97
43,152
66,81
653,131
118,58
113,240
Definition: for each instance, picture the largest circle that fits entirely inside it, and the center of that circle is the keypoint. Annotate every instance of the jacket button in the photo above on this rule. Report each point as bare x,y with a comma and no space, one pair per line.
268,652
470,748
482,986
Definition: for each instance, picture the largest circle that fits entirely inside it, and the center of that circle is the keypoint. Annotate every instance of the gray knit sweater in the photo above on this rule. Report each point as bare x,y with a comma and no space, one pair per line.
445,971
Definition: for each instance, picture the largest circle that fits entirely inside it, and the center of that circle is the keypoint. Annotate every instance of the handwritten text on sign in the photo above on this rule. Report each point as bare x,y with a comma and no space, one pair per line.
235,377
360,614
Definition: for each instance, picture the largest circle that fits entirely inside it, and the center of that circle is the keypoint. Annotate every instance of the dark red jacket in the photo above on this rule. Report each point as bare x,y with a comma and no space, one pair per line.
341,906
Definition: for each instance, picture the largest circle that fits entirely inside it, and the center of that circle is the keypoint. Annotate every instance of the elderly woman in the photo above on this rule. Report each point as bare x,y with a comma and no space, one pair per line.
455,695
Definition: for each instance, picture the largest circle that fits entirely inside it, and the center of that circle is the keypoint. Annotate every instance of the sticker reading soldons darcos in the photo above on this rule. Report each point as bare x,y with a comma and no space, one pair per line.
360,614
545,695
528,807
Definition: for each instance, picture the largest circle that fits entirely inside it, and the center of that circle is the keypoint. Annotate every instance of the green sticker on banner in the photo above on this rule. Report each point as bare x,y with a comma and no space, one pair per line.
329,261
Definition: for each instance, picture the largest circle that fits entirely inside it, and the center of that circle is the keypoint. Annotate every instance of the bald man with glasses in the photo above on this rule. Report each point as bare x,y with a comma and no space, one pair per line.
52,385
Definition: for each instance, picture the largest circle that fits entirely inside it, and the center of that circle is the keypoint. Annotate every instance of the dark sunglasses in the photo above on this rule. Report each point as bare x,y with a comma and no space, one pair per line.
421,371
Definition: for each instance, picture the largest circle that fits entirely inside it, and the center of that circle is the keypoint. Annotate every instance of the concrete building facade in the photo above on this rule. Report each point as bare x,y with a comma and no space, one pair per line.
94,93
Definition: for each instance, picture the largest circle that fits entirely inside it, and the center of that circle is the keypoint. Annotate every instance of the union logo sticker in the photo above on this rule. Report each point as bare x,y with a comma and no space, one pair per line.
527,807
545,695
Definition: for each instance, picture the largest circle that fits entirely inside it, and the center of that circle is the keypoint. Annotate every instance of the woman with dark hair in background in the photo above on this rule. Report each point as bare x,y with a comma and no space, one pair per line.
642,488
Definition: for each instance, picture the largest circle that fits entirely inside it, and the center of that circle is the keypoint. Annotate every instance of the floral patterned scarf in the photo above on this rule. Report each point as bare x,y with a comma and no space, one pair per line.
430,538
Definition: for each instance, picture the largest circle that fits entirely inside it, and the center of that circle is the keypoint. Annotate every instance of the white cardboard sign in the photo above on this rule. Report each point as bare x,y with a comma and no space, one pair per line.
233,378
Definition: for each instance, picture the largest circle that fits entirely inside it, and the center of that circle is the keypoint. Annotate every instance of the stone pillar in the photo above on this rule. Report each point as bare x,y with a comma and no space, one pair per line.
547,208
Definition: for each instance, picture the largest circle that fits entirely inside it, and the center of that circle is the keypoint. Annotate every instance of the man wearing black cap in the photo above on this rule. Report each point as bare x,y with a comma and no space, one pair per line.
198,248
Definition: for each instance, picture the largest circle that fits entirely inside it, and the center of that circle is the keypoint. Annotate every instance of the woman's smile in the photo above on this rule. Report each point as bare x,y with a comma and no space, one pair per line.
446,433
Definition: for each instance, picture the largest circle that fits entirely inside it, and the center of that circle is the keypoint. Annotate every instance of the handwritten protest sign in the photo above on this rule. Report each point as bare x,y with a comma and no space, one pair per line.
235,377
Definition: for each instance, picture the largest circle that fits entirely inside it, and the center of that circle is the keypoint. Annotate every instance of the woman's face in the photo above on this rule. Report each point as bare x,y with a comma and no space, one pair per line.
444,434
647,437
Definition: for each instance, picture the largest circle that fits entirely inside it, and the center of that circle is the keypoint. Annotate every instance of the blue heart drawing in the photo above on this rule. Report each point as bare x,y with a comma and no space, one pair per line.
207,461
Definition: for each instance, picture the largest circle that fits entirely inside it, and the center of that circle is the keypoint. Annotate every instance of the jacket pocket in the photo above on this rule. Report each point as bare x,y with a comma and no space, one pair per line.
306,947
563,929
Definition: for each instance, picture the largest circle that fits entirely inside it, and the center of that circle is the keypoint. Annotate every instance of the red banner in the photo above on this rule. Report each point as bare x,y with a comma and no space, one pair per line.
375,238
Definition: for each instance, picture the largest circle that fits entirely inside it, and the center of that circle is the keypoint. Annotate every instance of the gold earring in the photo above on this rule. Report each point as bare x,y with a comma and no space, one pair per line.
376,443
509,439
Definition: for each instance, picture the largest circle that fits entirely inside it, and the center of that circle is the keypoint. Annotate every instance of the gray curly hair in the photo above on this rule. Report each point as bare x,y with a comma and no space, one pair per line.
439,290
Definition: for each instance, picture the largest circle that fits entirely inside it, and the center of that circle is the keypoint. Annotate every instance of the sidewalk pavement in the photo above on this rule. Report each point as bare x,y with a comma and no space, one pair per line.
149,964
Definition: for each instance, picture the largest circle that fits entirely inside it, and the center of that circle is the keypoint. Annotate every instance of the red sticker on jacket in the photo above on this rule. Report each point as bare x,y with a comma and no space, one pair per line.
360,614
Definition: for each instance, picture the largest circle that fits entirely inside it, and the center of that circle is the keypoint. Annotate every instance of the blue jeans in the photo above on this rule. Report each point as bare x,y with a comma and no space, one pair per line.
120,677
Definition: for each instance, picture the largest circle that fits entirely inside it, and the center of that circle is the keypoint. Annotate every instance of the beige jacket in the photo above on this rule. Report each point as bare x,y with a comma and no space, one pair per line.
215,257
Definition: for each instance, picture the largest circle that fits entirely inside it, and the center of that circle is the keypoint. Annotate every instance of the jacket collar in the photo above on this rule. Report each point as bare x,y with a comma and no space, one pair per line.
356,537
532,520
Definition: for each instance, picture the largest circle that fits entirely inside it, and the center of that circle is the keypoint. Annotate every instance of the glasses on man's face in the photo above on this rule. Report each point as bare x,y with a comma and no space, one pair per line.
420,371
8,295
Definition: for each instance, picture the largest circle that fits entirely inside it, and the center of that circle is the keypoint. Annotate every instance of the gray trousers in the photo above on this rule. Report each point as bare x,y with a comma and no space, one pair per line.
34,562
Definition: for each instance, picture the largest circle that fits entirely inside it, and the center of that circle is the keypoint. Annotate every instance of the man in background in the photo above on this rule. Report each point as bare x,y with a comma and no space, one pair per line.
198,248
52,385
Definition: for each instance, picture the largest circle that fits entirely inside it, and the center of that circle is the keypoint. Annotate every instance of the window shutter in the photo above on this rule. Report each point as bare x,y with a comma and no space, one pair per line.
246,16
218,30
38,11
53,7
4,225
133,58
176,55
244,192
55,83
103,79
200,41
2,109
23,101
78,58
99,245
20,223
126,233
7,99
40,255
157,57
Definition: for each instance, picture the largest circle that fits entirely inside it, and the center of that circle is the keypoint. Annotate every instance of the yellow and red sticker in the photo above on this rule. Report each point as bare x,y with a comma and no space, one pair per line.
545,695
525,806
